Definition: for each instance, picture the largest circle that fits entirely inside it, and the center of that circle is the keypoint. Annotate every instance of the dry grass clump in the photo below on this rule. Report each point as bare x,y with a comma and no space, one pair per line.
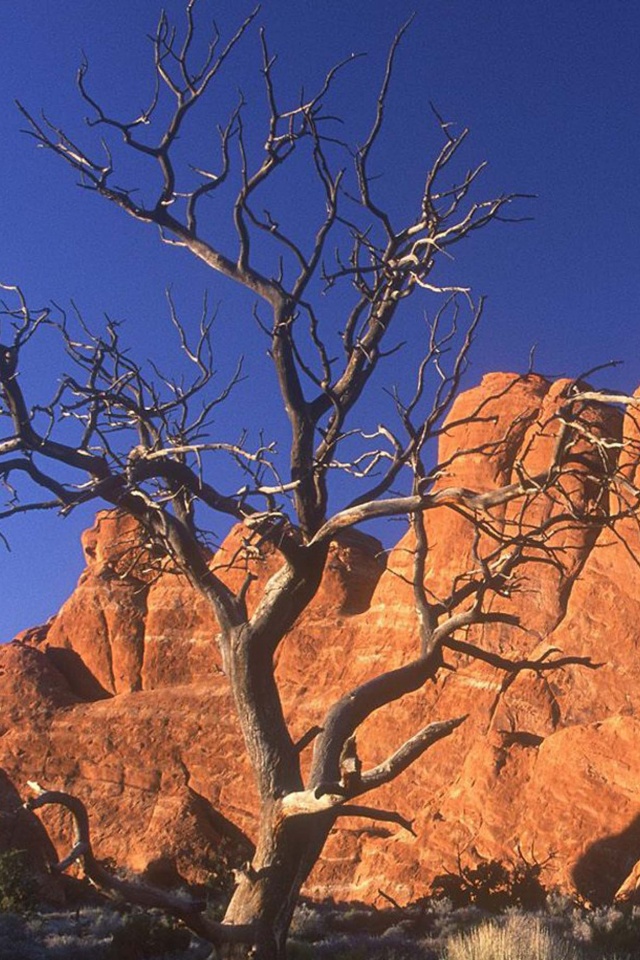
519,937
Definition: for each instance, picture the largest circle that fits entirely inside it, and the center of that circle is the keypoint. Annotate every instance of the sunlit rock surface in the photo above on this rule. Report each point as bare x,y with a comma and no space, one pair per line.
121,698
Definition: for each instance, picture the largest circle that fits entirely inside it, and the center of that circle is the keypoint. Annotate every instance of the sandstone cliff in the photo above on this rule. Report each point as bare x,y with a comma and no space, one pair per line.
121,698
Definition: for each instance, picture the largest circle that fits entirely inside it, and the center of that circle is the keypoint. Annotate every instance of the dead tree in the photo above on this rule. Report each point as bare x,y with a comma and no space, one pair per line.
332,302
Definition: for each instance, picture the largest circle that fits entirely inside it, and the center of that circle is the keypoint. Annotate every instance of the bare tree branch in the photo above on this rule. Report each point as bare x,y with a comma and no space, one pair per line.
408,753
184,908
373,813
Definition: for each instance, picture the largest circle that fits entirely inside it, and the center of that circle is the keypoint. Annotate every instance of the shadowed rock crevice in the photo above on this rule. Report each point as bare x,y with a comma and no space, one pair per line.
80,679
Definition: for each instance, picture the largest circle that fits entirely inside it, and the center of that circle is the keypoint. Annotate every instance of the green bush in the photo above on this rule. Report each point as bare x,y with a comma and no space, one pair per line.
18,887
146,935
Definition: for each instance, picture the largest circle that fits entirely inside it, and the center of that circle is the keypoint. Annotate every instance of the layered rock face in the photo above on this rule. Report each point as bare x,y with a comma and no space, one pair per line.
121,698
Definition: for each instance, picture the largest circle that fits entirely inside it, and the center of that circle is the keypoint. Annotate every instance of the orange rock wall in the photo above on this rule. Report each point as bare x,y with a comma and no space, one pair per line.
122,700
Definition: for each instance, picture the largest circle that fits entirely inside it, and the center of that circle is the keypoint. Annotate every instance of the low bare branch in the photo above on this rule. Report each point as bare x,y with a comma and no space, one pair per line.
189,911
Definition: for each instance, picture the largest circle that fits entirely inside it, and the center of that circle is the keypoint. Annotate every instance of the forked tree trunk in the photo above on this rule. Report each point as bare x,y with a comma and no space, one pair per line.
268,890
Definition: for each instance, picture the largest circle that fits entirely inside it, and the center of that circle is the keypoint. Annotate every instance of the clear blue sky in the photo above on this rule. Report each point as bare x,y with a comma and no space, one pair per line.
549,88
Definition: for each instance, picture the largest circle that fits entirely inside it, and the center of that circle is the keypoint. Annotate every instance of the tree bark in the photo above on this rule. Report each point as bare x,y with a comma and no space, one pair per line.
269,888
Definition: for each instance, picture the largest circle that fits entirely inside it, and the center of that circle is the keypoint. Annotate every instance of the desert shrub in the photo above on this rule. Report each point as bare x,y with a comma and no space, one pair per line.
436,918
145,935
309,921
518,938
13,940
559,904
20,939
315,920
612,929
298,950
18,887
83,933
365,947
493,886
93,933
220,884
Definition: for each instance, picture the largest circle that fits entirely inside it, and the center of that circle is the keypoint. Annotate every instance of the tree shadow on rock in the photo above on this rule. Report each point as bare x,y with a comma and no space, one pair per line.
606,864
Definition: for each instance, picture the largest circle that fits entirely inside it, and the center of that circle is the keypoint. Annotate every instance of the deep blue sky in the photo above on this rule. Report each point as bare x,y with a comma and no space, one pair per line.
549,88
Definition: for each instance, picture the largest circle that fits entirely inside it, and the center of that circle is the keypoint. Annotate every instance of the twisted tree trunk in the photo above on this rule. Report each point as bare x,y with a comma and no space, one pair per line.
268,890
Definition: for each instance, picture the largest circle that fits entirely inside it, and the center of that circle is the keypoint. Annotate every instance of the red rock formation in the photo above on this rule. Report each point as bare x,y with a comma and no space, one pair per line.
122,700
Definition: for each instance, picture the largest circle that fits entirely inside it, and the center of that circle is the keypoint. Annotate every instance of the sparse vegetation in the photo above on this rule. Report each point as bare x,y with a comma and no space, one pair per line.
519,938
431,929
18,887
612,929
493,885
220,883
95,933
144,935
